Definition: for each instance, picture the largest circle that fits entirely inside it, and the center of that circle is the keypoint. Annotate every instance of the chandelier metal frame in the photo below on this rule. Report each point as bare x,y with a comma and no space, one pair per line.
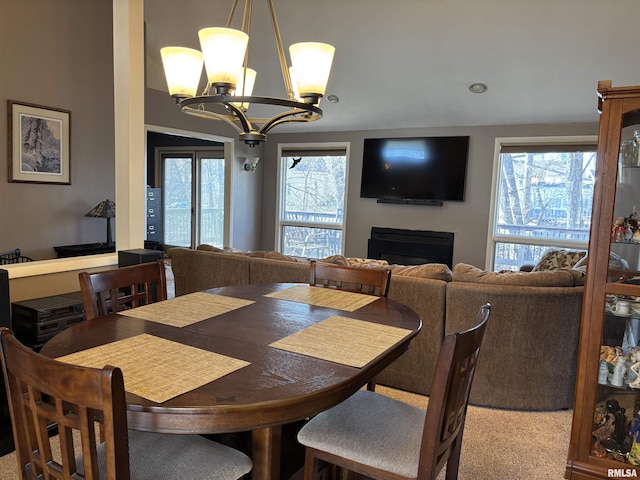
253,130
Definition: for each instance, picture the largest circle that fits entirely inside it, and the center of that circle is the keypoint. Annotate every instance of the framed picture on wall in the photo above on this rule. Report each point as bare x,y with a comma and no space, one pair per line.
39,144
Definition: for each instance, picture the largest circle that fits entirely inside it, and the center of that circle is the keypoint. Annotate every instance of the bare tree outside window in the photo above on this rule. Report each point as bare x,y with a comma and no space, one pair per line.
543,201
193,198
312,212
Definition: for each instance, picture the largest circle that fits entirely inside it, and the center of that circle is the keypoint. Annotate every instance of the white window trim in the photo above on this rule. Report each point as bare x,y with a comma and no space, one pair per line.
280,182
501,141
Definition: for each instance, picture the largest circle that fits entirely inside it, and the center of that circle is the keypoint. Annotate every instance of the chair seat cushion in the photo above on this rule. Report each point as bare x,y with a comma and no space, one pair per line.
371,429
156,456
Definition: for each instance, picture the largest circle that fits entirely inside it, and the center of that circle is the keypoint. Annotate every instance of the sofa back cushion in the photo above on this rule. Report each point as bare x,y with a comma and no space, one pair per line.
414,370
197,270
545,278
269,270
434,271
530,348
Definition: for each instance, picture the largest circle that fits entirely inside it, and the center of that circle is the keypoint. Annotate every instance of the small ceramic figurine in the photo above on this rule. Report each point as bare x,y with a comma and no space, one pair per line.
605,430
631,375
618,372
603,373
617,234
636,369
610,354
628,235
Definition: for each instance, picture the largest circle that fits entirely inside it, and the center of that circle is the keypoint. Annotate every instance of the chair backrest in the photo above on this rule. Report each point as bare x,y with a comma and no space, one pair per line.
449,398
372,281
42,391
14,256
114,290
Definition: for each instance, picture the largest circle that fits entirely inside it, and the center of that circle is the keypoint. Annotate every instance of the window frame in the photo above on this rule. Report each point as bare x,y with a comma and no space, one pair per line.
492,237
280,223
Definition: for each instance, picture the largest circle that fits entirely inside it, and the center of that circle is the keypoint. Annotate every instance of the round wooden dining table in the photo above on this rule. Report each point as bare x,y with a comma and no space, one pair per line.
275,381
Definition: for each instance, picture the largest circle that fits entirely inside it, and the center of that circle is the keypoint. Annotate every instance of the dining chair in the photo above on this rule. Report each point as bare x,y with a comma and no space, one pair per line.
382,438
42,391
371,281
117,289
13,256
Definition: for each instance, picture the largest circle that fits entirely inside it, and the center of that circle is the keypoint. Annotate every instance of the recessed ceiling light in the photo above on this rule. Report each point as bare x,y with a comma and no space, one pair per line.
478,87
333,99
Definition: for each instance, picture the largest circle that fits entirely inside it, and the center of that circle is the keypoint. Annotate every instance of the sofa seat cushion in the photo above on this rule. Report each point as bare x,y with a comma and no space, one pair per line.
545,278
436,271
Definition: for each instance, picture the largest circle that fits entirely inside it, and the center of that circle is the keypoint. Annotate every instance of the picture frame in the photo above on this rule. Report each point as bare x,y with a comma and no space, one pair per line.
39,144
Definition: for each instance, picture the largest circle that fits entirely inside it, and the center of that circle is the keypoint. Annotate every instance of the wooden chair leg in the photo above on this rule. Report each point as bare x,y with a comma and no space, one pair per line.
371,386
310,464
454,460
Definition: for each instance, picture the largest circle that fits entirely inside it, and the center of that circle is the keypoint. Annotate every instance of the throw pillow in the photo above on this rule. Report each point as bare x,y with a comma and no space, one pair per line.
559,259
615,261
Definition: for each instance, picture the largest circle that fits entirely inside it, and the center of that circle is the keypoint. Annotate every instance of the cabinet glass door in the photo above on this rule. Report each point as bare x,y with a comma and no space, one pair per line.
617,402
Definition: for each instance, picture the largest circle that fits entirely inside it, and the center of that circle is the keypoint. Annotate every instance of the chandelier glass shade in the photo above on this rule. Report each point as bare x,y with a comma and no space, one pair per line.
228,93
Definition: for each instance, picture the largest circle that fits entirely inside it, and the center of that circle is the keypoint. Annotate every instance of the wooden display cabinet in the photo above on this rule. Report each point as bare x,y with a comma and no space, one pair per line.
606,407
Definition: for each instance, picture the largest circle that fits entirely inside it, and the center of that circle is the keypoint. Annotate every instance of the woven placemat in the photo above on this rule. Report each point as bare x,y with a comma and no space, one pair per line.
324,297
187,309
343,340
156,368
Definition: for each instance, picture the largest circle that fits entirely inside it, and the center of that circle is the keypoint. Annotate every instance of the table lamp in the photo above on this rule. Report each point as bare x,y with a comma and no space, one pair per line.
105,209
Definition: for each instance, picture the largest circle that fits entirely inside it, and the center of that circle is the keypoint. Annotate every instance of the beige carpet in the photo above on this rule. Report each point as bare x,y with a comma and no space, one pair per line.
497,445
507,444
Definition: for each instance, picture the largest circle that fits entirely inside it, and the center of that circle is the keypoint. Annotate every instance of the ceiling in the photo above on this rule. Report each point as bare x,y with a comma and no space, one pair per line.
409,63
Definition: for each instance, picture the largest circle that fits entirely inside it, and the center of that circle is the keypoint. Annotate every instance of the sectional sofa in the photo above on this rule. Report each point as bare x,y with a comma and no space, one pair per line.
530,350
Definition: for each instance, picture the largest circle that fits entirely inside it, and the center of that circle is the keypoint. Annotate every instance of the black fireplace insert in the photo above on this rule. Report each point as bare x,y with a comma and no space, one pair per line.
410,247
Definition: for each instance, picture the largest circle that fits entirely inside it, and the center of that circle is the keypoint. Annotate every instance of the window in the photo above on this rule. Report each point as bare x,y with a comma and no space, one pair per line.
312,192
543,196
193,197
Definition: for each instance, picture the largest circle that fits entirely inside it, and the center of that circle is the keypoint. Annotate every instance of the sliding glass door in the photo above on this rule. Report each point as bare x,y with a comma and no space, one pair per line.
193,197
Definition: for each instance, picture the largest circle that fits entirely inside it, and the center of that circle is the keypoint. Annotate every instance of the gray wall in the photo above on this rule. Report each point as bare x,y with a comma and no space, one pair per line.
58,54
69,65
255,200
468,220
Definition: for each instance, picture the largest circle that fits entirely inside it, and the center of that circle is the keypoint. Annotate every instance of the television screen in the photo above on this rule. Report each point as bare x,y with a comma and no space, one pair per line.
421,168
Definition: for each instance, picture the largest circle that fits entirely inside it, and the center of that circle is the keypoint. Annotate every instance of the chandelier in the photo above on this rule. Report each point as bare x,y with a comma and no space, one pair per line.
227,95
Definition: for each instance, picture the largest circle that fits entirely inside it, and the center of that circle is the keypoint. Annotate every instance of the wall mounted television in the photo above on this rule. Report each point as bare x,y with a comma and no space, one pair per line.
416,170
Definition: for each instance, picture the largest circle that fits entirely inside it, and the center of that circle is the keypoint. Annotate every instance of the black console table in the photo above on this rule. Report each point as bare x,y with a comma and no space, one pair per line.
84,249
